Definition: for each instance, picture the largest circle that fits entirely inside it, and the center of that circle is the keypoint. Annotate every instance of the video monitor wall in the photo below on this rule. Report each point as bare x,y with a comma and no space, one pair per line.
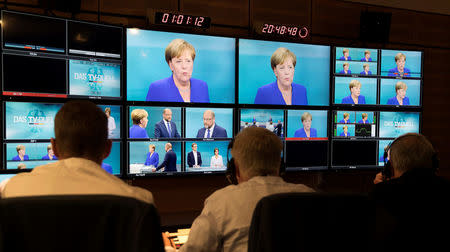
175,100
388,78
53,57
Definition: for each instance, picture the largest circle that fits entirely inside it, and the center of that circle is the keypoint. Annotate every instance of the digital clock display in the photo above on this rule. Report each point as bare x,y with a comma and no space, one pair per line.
291,31
182,20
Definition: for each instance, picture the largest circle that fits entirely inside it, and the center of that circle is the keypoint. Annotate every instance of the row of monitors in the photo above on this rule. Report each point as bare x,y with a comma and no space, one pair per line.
145,157
213,68
34,121
90,78
54,35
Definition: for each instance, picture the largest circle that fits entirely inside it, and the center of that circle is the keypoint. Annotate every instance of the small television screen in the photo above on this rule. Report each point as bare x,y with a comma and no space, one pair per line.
404,92
177,67
33,76
355,91
155,122
26,120
113,112
306,155
31,32
271,119
402,64
29,155
206,156
93,78
394,124
307,125
154,157
356,61
279,73
355,124
95,40
354,154
209,123
113,162
382,145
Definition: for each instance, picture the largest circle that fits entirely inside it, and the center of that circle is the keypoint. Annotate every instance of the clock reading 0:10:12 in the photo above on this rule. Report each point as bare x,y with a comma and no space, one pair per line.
291,31
182,20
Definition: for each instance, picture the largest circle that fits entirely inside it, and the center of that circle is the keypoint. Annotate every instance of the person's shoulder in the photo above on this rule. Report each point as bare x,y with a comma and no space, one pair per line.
198,82
266,88
298,87
160,83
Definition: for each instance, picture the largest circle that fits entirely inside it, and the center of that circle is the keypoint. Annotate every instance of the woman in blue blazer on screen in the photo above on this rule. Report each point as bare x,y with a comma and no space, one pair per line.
345,132
355,96
152,156
400,98
283,91
140,120
306,131
179,87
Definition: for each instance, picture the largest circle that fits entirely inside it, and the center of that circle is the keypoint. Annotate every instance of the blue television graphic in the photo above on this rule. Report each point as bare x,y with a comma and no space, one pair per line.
339,129
113,161
342,89
356,54
90,78
113,120
264,118
312,70
206,150
318,122
413,63
214,64
388,94
381,145
34,155
139,151
155,115
26,120
194,121
394,124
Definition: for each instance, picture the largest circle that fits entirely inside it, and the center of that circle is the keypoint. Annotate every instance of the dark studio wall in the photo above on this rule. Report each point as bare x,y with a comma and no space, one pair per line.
180,199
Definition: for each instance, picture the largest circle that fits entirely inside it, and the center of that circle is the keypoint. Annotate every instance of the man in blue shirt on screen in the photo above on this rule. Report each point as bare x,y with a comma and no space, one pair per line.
170,160
20,154
400,98
346,56
400,70
194,158
211,129
50,155
166,128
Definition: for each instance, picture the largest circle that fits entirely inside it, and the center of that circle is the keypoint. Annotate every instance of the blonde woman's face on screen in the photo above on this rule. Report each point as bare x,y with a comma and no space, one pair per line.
182,67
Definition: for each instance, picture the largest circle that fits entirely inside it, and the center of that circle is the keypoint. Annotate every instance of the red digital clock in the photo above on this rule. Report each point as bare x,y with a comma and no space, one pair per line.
280,30
182,20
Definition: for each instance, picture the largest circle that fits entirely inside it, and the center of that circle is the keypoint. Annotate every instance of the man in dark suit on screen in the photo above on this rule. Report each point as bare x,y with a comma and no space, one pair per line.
194,158
170,160
211,129
166,128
